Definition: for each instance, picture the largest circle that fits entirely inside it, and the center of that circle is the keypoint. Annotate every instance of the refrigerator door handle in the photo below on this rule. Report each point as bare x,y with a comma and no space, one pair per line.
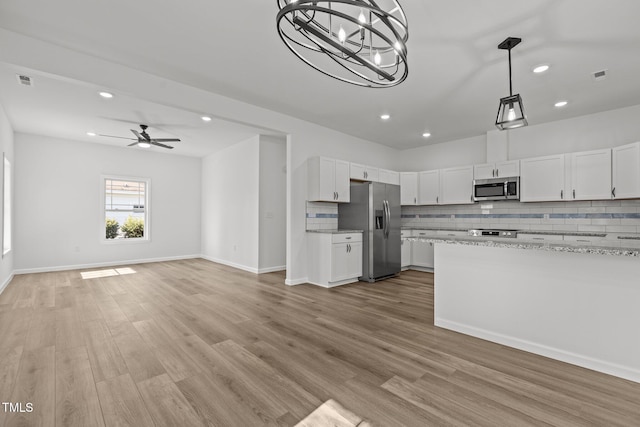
387,219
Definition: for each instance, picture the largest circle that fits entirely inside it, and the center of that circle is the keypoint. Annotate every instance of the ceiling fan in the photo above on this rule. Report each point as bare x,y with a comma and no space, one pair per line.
144,140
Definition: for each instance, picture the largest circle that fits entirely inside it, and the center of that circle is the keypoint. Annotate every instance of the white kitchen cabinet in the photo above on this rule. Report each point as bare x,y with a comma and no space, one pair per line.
405,249
334,258
363,172
456,186
429,187
543,179
626,171
408,188
328,180
590,175
422,252
388,177
507,168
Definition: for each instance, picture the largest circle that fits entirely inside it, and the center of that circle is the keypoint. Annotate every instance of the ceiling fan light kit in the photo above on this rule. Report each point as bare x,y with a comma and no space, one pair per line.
362,42
510,110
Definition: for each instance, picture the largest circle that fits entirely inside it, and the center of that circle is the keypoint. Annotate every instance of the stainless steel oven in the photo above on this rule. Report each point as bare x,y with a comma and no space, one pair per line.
496,189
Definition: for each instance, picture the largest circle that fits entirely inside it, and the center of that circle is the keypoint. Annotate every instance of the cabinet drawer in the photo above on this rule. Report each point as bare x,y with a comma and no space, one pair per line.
346,237
583,239
406,233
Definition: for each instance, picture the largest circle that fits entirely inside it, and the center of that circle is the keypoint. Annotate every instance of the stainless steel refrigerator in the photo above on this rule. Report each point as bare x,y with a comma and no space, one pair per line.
374,208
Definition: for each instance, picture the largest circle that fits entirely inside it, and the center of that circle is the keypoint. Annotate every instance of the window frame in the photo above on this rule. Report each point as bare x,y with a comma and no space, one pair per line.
103,209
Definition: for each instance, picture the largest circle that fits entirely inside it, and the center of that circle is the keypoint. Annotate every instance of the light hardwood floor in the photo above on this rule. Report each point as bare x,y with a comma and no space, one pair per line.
192,343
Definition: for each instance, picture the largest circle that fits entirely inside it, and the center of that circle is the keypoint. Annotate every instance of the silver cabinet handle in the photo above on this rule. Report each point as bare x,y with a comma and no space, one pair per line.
613,192
437,199
562,194
498,172
538,238
347,238
493,173
415,200
574,193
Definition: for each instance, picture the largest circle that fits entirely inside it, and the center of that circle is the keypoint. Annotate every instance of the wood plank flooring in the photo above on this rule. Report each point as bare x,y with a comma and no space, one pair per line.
194,343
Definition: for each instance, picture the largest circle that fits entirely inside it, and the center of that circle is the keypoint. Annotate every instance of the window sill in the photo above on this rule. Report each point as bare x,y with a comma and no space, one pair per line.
125,241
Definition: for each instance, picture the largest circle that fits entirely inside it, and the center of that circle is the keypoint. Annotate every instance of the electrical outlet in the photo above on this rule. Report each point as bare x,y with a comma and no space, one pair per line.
453,217
545,217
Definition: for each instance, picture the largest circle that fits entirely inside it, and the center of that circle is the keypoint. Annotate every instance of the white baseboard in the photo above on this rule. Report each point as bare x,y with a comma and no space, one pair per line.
610,368
294,282
230,264
103,264
6,282
272,269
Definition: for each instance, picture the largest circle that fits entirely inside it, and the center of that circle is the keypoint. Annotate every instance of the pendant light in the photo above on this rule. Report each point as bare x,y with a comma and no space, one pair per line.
510,111
362,42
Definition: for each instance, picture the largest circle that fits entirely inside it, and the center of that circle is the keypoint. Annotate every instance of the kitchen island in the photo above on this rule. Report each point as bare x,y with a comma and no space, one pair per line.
569,302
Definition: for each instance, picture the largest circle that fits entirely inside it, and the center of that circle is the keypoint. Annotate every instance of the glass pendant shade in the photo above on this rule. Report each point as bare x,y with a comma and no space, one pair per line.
511,113
362,42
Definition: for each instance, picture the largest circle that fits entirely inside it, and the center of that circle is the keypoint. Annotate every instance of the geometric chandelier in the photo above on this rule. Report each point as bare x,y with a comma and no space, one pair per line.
510,110
363,42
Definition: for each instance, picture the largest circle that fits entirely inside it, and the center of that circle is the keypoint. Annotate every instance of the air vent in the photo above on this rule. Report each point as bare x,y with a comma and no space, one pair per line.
24,80
600,75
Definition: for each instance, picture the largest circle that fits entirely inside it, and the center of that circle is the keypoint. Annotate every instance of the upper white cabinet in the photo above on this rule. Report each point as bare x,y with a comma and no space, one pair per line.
363,172
542,179
408,188
504,169
590,175
456,186
328,180
626,171
429,187
388,177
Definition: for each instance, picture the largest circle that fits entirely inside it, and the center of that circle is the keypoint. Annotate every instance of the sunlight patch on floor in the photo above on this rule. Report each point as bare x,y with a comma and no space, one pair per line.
107,272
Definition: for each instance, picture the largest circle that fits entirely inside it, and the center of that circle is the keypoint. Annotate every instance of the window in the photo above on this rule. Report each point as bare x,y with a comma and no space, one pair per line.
6,208
126,209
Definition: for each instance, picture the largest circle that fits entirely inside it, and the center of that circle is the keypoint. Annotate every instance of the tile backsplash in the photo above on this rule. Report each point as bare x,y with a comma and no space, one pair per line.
322,216
606,216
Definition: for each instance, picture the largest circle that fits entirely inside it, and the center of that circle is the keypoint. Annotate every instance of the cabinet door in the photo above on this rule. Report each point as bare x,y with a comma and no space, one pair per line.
339,262
422,254
486,171
542,179
429,187
357,172
408,188
354,260
591,175
508,168
405,249
388,177
341,181
626,171
456,185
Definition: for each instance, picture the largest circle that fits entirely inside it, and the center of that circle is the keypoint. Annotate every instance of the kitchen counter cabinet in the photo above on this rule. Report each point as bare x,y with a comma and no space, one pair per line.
456,186
542,179
408,188
504,169
422,251
591,175
328,180
334,259
405,249
626,171
580,308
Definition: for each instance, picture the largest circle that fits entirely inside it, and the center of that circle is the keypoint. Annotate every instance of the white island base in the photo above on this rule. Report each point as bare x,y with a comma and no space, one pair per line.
582,309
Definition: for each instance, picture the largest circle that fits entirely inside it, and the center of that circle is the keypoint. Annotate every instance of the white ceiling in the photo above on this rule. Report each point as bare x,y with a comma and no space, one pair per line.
456,72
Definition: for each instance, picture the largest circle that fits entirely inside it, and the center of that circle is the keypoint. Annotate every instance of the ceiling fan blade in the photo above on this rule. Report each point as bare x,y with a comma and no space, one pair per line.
131,145
113,136
165,140
153,142
140,137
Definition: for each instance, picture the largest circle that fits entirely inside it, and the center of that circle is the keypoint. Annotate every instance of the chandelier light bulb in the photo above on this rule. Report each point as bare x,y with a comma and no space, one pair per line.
511,116
342,35
377,59
361,18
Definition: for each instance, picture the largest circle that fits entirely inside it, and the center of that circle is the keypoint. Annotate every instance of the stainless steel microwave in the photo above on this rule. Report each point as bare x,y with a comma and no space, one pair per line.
496,189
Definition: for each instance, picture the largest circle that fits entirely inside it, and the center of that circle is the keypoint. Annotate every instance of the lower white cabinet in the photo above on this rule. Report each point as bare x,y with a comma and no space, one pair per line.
422,252
405,249
334,258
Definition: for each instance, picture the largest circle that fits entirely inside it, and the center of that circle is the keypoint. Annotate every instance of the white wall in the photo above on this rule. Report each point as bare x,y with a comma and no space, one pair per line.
7,147
57,205
273,204
230,205
460,152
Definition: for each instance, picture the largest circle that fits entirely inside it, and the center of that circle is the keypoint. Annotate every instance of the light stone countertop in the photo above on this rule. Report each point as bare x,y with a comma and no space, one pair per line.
334,231
603,247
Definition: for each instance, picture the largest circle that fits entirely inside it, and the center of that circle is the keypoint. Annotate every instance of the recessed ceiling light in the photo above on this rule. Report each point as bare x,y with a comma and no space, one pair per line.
540,68
106,94
91,133
560,104
426,135
385,117
206,118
